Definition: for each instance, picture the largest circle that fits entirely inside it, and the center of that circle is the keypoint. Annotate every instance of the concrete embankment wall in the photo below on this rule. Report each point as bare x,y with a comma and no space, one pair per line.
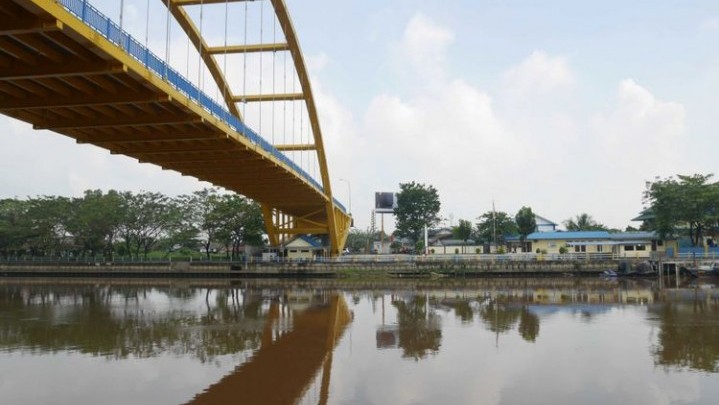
317,269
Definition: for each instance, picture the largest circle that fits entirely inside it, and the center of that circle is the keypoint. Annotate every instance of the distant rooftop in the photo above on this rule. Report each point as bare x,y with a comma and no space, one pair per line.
592,235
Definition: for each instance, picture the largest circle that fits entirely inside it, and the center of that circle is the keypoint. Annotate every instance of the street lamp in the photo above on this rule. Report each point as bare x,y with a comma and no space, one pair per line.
349,188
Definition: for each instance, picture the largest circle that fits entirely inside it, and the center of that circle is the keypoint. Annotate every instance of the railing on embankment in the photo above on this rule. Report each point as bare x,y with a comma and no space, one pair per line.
397,265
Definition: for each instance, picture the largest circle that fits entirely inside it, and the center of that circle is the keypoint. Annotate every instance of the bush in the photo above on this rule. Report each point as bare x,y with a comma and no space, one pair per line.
500,250
477,251
562,250
456,251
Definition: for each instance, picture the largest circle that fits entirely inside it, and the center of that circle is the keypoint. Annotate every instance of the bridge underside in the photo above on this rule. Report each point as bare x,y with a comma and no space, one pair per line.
57,73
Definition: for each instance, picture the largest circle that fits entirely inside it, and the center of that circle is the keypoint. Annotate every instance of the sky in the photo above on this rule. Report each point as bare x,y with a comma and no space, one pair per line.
566,107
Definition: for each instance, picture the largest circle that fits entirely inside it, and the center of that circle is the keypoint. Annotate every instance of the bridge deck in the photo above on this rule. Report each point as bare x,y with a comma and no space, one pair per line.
57,73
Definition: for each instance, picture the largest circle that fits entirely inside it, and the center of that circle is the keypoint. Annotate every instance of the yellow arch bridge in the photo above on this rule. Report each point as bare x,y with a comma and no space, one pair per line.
66,67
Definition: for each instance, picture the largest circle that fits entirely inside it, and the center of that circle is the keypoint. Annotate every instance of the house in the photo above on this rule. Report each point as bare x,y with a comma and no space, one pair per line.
513,242
544,225
621,244
442,242
450,246
304,247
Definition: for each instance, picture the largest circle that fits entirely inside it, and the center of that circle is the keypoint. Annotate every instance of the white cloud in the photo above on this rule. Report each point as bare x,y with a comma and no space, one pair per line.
316,63
639,138
642,125
710,24
528,144
538,75
423,44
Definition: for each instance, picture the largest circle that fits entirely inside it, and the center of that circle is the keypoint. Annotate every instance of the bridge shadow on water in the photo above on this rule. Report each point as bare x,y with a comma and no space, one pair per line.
287,363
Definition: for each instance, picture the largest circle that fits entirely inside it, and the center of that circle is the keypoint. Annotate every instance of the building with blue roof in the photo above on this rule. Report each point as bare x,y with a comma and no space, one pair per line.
619,244
304,247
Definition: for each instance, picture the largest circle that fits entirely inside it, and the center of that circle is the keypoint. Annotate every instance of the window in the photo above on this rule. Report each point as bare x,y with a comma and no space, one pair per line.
641,247
582,248
628,248
599,248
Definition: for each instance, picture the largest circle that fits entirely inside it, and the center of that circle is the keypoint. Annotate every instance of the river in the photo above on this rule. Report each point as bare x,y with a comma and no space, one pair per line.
489,341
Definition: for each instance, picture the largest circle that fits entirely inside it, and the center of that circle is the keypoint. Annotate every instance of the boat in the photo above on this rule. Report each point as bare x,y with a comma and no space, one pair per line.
609,274
704,269
625,269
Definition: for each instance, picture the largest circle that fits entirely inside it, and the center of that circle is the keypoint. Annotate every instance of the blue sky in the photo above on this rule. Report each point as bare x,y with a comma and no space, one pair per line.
563,106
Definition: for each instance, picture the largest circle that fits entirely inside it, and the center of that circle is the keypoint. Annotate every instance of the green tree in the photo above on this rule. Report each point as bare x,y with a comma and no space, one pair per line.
463,231
241,223
94,221
205,215
181,228
417,206
583,222
47,224
146,218
493,223
360,241
14,229
526,224
688,202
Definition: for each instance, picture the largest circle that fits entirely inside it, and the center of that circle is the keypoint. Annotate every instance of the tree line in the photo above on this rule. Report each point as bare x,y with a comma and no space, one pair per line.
127,224
418,205
685,206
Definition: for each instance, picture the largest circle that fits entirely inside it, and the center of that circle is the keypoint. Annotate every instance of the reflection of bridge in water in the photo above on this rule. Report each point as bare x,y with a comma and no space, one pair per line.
286,363
66,67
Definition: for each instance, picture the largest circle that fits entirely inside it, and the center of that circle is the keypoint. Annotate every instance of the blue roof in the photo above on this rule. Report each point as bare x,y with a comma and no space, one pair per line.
592,235
568,235
634,235
314,242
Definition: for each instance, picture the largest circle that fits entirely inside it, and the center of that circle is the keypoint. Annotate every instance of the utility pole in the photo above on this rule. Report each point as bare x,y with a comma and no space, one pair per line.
494,226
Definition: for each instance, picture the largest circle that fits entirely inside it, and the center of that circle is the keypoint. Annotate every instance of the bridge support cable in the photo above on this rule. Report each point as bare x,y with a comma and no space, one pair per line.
147,25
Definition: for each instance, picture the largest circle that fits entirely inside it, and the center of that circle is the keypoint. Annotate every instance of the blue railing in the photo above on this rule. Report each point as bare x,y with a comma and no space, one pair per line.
108,29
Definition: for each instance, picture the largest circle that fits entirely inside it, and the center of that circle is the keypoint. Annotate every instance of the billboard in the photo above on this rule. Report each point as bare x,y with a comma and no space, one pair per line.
385,203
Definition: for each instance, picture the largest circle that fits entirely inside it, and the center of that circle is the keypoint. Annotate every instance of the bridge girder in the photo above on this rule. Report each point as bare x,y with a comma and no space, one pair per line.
79,83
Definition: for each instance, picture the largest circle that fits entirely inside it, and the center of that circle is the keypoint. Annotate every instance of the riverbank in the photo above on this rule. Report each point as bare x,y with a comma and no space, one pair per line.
367,269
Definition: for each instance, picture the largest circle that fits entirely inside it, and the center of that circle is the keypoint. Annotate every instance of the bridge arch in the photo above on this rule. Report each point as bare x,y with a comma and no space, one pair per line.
90,80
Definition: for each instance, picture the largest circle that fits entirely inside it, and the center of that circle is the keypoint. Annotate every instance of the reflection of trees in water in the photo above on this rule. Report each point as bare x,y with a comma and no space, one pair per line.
420,330
528,325
688,336
499,318
462,309
120,321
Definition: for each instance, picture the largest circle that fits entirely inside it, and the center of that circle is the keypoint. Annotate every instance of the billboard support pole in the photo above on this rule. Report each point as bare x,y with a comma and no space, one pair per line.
381,234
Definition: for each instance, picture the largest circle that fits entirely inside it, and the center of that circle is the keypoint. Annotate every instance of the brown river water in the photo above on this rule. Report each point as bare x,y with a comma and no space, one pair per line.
490,341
